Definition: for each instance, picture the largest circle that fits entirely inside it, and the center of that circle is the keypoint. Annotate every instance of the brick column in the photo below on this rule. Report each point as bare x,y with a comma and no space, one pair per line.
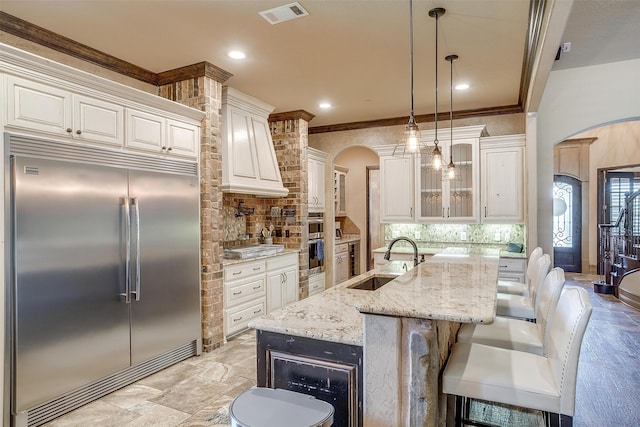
290,132
200,86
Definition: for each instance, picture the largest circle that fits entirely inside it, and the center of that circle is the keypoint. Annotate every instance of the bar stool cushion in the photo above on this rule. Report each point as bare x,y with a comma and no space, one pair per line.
518,334
520,306
518,288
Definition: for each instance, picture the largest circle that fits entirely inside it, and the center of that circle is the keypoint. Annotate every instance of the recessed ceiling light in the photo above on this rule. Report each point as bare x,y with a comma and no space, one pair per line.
236,54
324,105
462,86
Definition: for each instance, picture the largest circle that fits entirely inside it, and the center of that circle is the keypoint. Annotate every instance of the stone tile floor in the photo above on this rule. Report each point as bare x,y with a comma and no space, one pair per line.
197,392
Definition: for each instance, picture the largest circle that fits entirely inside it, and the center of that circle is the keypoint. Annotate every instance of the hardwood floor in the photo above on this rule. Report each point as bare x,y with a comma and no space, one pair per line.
197,391
608,387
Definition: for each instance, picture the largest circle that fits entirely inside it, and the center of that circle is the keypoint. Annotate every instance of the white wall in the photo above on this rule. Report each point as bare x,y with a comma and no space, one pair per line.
576,100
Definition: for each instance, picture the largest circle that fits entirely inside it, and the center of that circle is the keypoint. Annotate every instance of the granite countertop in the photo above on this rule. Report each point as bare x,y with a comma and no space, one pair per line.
347,238
327,316
471,250
228,261
455,287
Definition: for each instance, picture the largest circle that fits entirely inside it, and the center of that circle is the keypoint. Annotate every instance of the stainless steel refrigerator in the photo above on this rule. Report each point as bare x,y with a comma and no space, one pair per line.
103,271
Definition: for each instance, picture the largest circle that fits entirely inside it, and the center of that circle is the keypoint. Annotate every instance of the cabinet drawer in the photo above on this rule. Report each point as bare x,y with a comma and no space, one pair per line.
512,277
316,284
282,261
342,248
243,269
512,264
236,319
238,292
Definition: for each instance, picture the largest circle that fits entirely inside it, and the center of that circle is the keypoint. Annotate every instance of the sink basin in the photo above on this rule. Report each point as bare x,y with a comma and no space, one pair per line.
372,283
253,251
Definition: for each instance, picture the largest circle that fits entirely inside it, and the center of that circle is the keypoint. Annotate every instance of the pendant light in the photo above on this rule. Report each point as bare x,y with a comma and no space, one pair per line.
436,155
411,138
451,168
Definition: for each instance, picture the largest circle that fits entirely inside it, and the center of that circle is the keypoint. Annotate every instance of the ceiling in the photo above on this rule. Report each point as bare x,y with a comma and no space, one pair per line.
351,53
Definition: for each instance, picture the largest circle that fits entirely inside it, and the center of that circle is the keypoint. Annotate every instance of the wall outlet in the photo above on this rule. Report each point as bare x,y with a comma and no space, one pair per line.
463,236
416,234
507,236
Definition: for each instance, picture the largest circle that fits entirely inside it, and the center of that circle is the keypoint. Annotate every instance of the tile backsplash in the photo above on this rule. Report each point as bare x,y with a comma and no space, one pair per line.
496,235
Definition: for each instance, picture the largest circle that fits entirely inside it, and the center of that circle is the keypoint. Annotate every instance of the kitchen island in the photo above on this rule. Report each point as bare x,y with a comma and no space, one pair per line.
385,348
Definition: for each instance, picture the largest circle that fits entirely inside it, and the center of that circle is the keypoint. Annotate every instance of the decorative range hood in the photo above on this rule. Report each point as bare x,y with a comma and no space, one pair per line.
249,162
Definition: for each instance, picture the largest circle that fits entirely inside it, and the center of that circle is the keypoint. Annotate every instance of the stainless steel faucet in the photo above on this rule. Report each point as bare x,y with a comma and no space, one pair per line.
387,255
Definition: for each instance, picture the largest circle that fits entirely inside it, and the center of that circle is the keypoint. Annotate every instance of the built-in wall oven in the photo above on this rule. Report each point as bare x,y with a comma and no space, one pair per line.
316,243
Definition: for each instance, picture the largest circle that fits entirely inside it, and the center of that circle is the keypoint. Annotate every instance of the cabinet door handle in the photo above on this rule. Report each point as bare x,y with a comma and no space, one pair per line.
256,268
69,130
257,287
411,211
79,132
169,149
443,212
485,211
257,311
237,272
448,214
237,293
239,318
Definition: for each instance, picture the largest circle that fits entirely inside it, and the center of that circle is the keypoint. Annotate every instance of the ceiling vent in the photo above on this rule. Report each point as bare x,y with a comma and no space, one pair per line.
284,13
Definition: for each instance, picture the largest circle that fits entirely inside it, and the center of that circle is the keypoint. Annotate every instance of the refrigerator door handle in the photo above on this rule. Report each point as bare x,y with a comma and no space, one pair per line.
136,206
127,249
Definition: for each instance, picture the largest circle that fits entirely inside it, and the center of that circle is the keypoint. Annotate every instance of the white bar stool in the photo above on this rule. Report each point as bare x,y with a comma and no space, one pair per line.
522,379
267,407
522,307
518,334
517,288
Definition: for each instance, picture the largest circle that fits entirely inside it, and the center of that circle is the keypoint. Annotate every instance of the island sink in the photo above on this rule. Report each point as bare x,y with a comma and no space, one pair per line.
372,283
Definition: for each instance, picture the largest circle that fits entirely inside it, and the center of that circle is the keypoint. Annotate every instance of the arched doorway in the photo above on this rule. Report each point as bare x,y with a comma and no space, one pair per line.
567,223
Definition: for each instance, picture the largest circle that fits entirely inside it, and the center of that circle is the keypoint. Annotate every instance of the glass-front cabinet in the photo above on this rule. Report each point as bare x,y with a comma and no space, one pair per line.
440,199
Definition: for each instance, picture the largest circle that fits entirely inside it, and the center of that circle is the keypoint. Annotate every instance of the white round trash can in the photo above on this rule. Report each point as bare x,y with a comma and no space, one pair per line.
267,407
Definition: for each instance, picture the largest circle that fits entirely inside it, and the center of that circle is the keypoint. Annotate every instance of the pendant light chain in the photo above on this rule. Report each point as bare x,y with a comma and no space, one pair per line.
411,138
436,154
451,171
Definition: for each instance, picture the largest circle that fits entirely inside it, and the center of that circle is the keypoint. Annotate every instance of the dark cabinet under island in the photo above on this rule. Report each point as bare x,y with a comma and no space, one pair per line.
329,371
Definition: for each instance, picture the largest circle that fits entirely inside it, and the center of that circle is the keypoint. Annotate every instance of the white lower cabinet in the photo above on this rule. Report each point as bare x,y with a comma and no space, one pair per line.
341,263
316,283
282,281
255,288
512,269
244,294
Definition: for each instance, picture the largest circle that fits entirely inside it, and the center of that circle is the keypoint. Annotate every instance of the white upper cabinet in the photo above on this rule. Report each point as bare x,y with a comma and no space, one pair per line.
157,134
316,163
502,179
411,190
46,99
145,131
38,107
249,162
396,188
340,190
97,120
440,199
